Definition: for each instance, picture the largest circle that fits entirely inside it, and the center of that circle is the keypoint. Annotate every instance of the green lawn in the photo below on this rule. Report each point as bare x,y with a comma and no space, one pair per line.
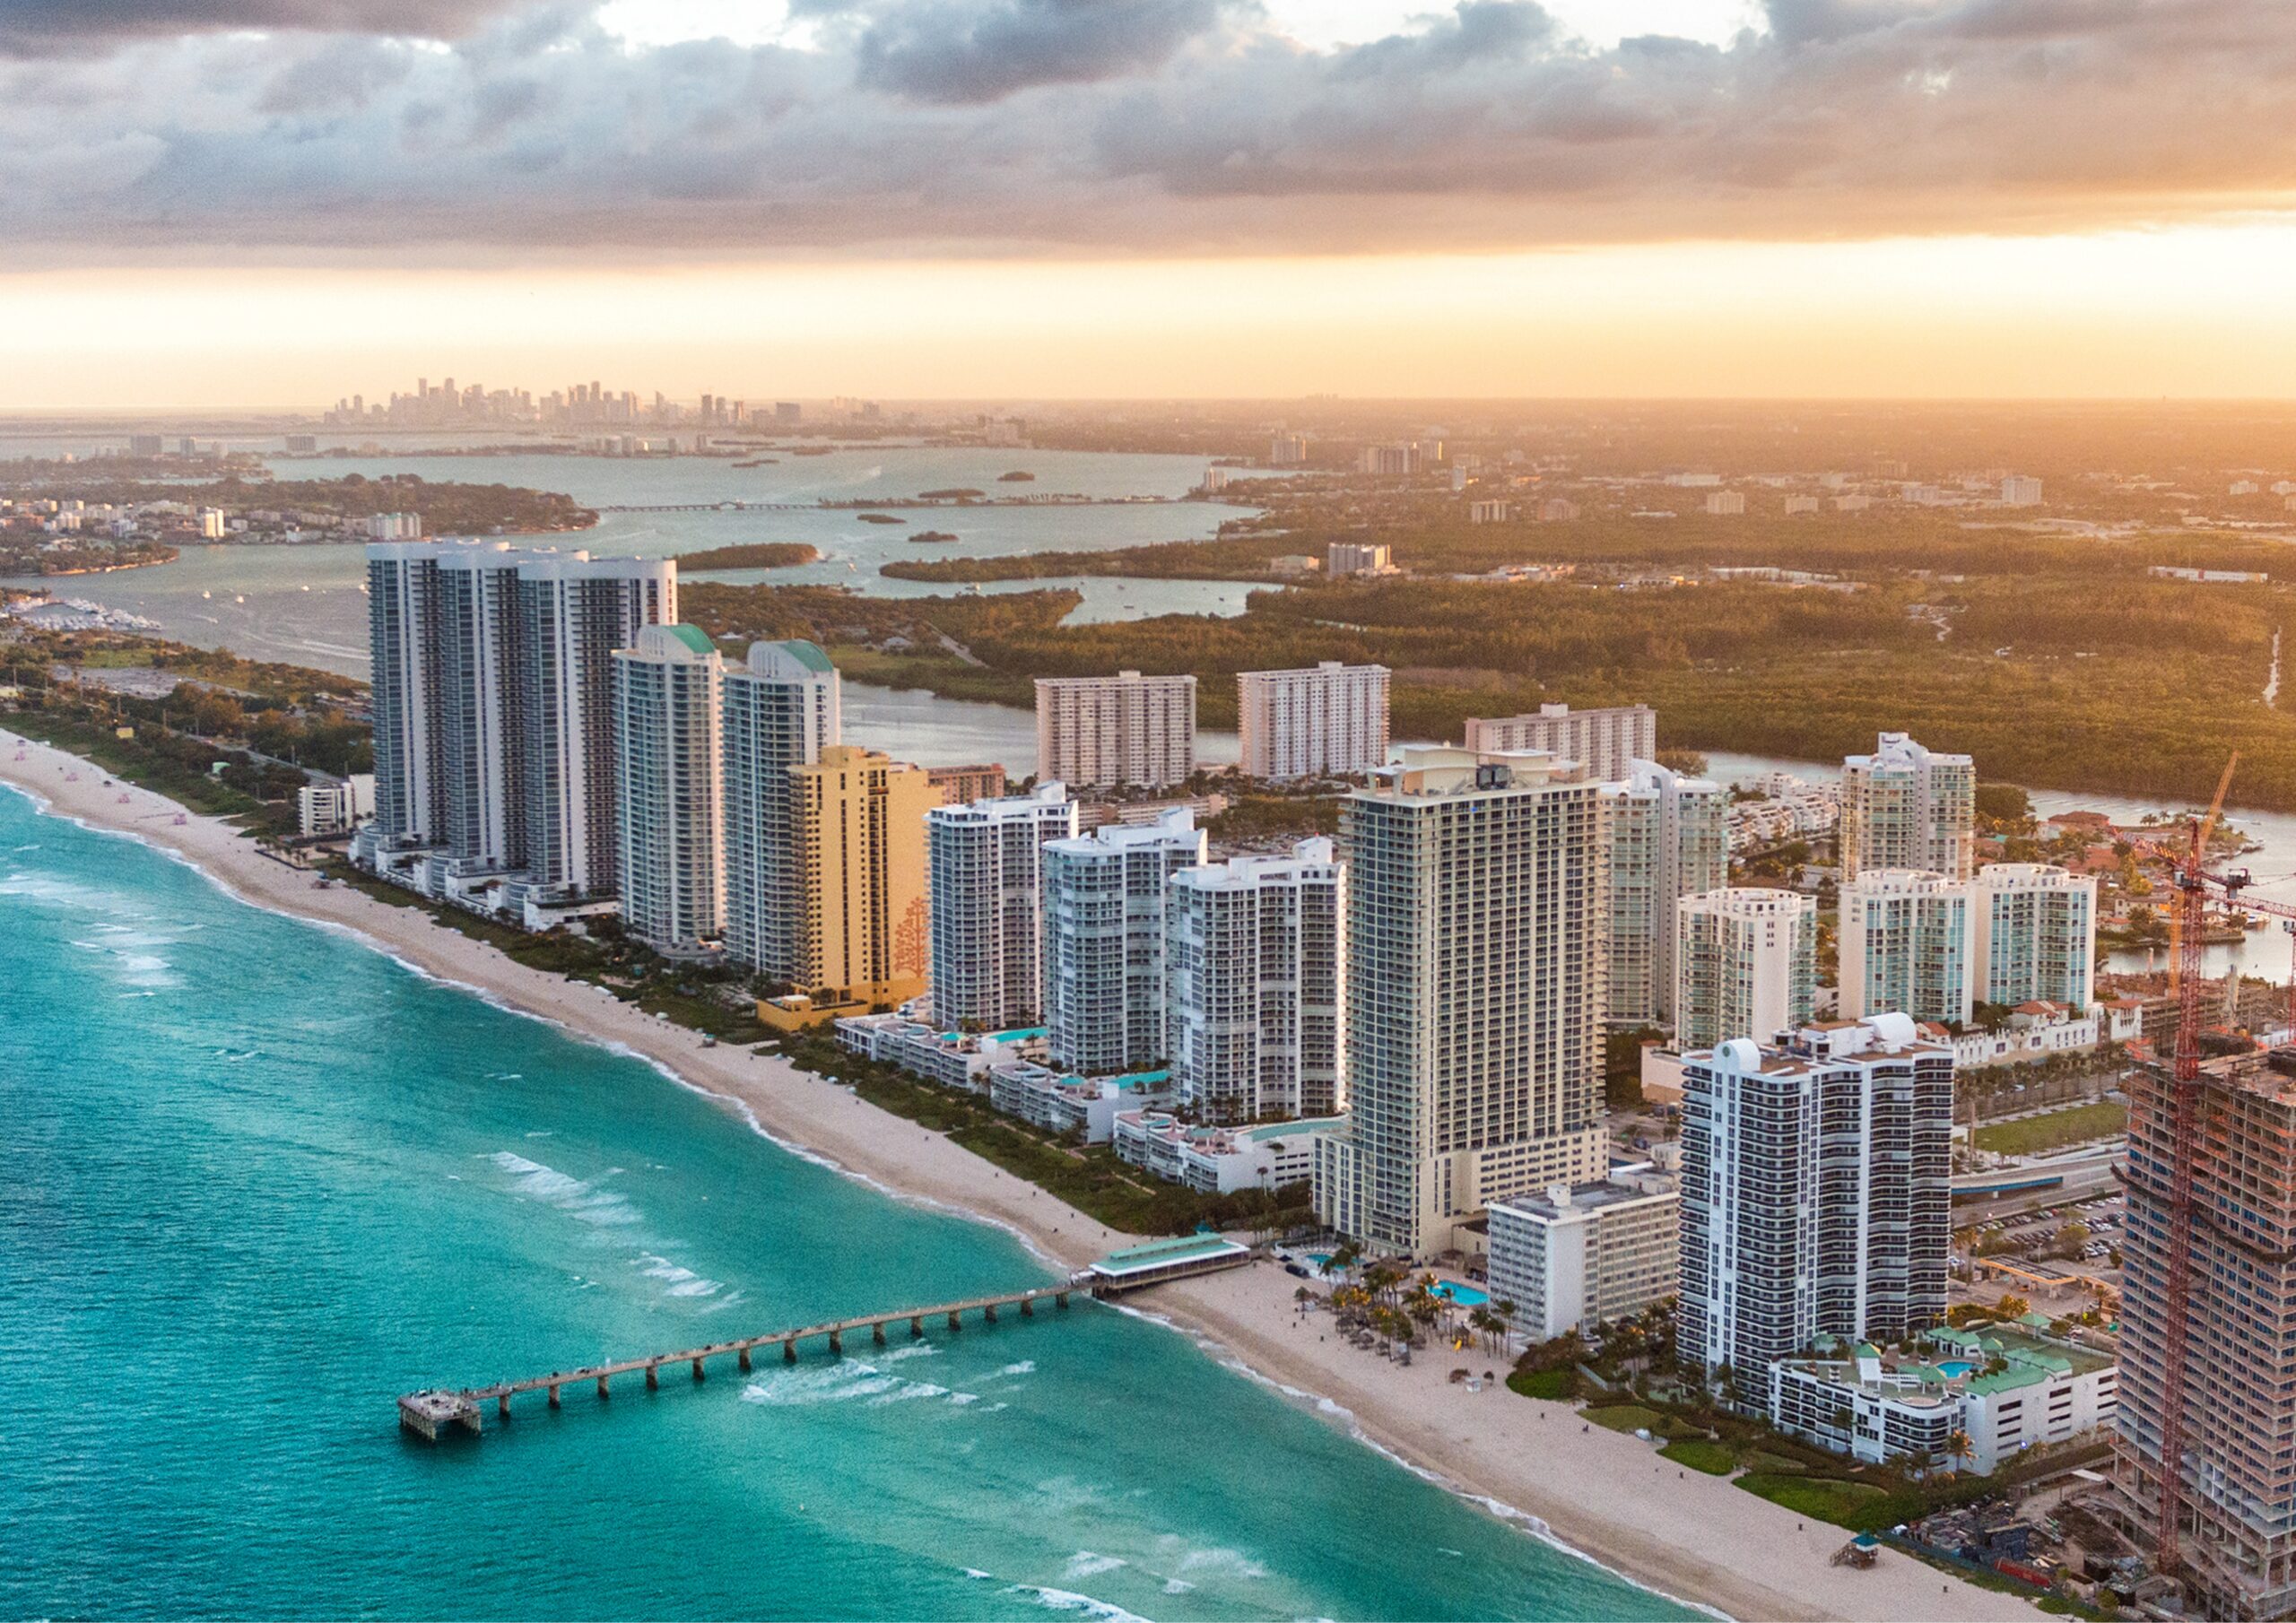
1714,1459
1626,1417
1551,1384
2035,1134
1820,1498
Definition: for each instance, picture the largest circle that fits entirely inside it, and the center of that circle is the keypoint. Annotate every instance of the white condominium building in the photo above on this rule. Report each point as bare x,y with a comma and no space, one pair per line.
1906,807
481,667
402,634
672,873
1665,836
1344,558
985,865
576,611
1125,730
1606,742
1104,941
1816,1193
1256,985
783,707
1745,965
1475,972
1905,945
1325,723
2033,935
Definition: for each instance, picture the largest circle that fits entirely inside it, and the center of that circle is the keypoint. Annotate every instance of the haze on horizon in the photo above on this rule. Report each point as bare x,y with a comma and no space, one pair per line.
266,204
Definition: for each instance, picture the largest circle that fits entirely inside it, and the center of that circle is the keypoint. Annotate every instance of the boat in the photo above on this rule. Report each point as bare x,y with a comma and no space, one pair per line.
204,595
239,599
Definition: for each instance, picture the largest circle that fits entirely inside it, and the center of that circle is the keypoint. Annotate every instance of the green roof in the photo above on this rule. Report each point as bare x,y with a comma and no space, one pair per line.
694,638
808,654
1158,1254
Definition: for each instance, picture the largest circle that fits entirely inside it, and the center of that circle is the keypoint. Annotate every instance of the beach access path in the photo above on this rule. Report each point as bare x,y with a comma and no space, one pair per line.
1607,1495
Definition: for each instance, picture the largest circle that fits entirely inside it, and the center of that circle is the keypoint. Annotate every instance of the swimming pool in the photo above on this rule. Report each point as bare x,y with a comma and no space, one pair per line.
1466,1296
1956,1367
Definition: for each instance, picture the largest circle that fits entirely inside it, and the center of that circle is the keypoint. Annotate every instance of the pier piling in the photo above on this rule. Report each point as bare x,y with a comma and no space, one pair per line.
877,1333
835,1345
790,1350
554,1397
697,1369
654,1376
745,1357
916,1328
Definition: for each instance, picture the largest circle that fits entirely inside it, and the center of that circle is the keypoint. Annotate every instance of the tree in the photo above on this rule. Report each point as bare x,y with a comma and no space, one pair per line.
2012,1307
1958,1446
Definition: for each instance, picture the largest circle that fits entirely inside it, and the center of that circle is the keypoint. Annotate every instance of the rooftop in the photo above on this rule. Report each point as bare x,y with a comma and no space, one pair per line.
1163,1253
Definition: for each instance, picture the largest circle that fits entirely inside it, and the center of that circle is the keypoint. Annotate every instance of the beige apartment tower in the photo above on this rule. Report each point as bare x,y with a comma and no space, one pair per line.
1905,806
1474,971
1328,722
1606,742
1125,730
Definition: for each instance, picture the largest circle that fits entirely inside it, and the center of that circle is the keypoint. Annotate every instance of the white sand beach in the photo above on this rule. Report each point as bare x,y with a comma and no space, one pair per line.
1691,1536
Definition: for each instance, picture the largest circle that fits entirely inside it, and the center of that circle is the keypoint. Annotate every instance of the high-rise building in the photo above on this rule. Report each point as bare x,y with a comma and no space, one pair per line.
1904,945
1904,806
2032,934
962,786
482,668
985,866
2021,491
1255,985
671,874
1125,730
864,923
402,633
1665,836
1324,722
1104,941
1606,742
1745,965
577,610
783,707
1346,558
2238,1393
1474,974
1816,1193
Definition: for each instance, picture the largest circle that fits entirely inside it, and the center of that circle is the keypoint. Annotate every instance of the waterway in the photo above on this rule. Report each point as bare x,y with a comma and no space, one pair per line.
261,1179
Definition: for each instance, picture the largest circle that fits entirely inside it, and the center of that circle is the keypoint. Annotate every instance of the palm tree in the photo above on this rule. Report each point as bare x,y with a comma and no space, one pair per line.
1958,1447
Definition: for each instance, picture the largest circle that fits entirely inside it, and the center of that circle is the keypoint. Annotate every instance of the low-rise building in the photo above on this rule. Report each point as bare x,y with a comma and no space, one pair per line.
954,1059
1057,1102
337,807
1219,1160
1585,1255
1972,1400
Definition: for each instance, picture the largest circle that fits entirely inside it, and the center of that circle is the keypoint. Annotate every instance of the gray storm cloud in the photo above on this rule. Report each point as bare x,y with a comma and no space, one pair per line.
1164,126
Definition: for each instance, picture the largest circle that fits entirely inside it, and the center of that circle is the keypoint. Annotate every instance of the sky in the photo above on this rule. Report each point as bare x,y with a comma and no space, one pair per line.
268,204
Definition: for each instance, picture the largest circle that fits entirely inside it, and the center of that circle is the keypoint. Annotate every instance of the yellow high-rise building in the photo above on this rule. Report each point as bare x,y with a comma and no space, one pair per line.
860,850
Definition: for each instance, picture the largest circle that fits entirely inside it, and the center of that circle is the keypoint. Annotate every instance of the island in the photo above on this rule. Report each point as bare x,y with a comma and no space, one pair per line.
953,493
756,555
934,535
1017,476
879,518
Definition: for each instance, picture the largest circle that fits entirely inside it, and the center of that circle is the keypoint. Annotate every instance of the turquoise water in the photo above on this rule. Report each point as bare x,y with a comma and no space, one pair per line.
1466,1296
1956,1367
259,1180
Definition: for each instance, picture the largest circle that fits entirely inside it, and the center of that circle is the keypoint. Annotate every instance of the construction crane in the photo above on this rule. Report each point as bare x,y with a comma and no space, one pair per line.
2193,887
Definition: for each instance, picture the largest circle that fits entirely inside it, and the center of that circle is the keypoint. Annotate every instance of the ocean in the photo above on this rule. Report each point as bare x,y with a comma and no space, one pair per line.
261,1179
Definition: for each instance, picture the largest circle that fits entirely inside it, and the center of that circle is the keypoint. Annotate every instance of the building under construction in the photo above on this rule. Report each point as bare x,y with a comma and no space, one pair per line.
2236,1335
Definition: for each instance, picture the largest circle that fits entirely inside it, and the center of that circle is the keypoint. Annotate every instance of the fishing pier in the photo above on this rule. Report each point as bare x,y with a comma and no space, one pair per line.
429,1413
440,1409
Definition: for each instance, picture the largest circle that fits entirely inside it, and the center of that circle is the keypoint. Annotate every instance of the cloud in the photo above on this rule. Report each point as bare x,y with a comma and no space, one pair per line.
46,27
959,51
1157,127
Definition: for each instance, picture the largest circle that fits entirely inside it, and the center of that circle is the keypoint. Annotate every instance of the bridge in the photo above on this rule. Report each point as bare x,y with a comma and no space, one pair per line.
429,1412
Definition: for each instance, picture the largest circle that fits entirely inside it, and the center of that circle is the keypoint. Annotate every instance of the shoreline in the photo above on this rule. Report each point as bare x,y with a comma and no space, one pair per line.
1698,1541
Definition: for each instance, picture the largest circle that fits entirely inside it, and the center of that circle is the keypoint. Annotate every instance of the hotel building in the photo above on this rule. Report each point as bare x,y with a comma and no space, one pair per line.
1474,978
986,863
1816,1193
1104,943
783,707
1906,807
672,869
1125,730
1328,722
1585,1256
1256,985
1665,836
